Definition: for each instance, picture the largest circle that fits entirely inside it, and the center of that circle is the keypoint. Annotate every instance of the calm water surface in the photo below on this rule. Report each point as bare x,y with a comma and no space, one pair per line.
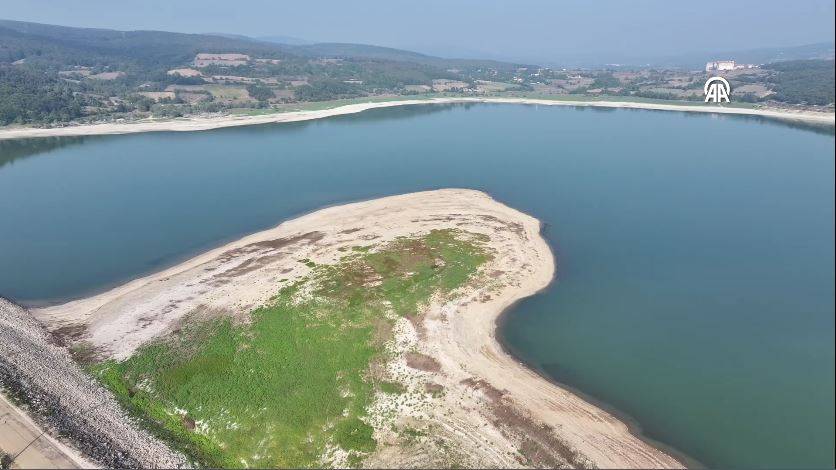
695,253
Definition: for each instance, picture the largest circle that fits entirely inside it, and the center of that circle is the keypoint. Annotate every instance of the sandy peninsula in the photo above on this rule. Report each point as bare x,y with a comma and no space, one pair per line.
493,408
201,123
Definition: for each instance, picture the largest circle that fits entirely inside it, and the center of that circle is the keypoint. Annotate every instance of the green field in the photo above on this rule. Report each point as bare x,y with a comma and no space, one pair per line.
296,379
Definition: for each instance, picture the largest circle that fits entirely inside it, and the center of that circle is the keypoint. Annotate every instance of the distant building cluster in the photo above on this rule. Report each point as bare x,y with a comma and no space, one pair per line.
185,72
230,60
724,65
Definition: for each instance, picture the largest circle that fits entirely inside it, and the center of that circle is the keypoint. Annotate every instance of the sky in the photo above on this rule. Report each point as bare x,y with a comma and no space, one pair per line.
535,30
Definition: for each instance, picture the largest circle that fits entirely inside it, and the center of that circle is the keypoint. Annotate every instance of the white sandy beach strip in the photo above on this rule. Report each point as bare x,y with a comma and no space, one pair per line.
201,123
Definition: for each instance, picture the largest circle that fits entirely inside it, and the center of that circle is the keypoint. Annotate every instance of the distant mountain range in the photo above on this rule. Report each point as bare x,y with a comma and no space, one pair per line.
306,48
763,55
180,47
439,55
766,55
289,40
693,60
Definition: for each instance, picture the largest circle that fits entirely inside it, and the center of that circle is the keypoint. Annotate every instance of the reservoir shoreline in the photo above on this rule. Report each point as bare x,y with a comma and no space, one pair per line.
471,334
633,424
42,303
201,123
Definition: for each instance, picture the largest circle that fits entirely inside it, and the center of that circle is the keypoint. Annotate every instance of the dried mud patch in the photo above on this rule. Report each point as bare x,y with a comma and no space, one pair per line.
423,362
67,335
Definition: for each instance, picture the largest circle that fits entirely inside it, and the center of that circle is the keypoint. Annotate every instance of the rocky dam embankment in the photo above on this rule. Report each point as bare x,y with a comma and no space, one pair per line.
42,376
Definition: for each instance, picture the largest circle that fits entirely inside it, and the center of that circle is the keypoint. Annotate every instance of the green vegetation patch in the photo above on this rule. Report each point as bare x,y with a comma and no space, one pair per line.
392,388
804,81
280,389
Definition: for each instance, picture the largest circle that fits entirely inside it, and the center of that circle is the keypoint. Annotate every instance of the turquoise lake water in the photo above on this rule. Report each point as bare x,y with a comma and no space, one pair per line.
695,253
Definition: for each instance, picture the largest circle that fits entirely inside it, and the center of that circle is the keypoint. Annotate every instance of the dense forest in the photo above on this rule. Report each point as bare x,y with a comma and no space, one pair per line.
28,96
804,81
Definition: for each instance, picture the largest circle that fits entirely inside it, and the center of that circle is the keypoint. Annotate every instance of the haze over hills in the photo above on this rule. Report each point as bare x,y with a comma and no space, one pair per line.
693,60
569,33
290,40
167,44
764,55
432,54
455,56
278,39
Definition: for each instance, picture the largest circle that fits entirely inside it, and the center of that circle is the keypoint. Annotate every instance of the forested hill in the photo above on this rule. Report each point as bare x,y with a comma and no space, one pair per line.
333,49
811,81
56,74
52,45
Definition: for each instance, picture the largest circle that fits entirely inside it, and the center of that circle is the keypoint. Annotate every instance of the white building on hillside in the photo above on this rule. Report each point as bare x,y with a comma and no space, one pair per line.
719,65
229,60
722,65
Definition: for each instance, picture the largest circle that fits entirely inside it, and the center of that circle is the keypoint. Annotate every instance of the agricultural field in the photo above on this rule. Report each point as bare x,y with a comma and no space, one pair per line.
483,86
228,94
289,384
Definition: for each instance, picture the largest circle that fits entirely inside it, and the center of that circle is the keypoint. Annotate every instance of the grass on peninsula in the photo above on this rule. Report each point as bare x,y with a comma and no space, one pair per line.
296,380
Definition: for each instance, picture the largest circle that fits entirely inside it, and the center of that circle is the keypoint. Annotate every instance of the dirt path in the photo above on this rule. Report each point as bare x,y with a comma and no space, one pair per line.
20,435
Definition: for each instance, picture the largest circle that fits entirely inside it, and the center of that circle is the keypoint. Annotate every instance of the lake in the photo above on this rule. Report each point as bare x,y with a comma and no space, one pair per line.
695,253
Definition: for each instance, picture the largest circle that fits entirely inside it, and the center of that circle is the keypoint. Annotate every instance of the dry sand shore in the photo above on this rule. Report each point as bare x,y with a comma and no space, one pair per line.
200,123
492,407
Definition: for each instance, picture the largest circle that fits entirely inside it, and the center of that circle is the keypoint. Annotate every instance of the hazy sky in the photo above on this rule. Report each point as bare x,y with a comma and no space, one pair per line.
519,29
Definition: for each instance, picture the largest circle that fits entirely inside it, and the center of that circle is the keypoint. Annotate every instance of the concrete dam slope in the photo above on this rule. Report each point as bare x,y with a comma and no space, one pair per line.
65,401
